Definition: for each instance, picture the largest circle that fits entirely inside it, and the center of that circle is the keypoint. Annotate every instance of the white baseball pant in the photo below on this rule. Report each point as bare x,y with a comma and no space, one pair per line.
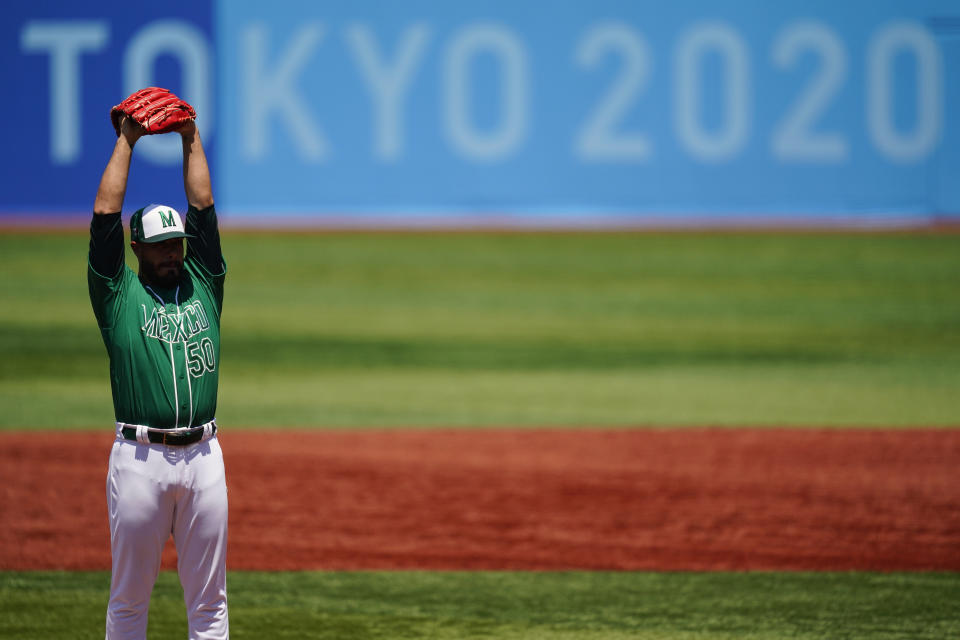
154,491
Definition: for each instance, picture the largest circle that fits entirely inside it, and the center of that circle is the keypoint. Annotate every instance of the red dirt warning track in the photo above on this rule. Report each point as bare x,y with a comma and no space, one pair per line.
706,499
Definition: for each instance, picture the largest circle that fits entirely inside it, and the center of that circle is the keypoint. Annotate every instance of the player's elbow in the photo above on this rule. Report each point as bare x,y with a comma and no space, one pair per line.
202,200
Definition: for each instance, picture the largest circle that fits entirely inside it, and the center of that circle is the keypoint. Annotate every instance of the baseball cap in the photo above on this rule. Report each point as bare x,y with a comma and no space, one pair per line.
156,223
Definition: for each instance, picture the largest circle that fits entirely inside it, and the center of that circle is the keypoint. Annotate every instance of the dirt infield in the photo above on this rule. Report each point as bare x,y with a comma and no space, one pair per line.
510,499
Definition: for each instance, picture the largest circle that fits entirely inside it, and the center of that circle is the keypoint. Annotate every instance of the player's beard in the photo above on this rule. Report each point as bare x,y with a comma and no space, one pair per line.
165,275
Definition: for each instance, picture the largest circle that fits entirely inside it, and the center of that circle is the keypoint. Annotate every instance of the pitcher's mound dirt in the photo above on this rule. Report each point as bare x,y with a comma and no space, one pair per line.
526,499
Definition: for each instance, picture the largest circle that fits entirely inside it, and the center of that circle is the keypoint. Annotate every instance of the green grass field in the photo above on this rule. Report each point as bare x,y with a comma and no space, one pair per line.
347,330
515,606
485,330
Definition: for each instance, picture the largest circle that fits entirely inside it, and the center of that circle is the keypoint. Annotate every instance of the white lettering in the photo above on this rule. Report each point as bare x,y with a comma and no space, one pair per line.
904,38
65,42
265,91
732,134
602,137
457,98
795,139
388,84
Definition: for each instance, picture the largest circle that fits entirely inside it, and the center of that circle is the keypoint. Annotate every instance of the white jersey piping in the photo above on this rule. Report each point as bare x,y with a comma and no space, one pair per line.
173,363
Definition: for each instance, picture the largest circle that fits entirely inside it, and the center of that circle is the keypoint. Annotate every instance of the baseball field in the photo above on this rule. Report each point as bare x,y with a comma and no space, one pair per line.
524,435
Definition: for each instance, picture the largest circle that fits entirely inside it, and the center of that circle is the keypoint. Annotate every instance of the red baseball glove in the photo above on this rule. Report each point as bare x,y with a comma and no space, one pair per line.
156,110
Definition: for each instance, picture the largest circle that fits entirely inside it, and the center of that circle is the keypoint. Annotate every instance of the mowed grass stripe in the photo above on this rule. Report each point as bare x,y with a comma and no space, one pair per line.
454,605
527,328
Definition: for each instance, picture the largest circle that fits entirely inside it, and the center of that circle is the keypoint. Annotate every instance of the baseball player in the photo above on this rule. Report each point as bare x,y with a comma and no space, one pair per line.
161,328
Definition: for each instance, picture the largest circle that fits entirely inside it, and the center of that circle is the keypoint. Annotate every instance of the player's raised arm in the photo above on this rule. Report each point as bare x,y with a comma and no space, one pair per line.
113,183
105,257
196,173
203,242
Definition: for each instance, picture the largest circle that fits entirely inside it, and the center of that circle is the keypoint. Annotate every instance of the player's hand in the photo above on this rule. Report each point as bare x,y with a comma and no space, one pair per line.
131,130
186,129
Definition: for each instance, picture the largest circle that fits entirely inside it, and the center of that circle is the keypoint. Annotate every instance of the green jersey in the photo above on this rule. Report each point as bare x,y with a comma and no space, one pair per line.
163,344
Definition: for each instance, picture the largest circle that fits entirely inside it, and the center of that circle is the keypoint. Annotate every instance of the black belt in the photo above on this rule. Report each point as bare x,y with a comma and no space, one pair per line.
172,438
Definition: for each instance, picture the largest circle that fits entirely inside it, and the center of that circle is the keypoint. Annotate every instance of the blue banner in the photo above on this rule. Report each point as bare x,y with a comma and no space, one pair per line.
64,65
375,111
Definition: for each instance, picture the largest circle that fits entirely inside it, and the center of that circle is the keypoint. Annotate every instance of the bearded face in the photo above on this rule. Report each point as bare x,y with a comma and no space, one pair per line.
161,263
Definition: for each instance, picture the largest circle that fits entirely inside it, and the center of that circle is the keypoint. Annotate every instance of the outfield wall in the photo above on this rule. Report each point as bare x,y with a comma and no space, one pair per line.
434,112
